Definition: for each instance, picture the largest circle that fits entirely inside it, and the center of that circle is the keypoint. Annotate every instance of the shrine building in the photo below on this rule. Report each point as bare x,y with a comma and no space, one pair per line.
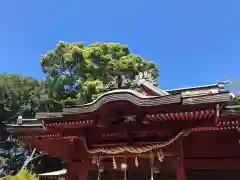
146,133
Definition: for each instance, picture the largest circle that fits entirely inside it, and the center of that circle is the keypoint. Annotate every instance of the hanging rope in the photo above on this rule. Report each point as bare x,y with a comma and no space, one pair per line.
124,167
135,150
151,164
100,170
99,174
125,174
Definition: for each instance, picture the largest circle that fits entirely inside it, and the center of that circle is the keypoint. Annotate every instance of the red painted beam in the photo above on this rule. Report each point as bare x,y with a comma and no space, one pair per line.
136,127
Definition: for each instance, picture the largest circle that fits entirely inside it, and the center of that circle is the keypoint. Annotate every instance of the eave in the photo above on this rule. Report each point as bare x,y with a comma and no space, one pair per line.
172,103
25,128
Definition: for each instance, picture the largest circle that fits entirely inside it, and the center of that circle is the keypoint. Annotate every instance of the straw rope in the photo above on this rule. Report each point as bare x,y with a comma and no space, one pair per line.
134,150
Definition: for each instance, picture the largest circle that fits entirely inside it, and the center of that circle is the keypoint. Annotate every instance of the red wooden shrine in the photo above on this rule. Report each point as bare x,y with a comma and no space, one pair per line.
148,129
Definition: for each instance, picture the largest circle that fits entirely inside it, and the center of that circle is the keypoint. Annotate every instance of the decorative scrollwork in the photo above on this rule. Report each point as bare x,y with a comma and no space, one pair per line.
126,81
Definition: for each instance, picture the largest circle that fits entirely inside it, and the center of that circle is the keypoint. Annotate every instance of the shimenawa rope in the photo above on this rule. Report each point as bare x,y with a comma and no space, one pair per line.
135,150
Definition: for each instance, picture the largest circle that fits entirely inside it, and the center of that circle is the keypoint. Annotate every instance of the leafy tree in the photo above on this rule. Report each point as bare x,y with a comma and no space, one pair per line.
20,96
77,71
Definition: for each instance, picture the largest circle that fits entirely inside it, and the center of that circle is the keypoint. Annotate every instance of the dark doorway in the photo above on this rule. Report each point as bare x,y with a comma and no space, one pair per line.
213,174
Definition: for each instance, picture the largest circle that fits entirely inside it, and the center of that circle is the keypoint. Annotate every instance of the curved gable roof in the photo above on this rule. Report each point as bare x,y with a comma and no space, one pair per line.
131,96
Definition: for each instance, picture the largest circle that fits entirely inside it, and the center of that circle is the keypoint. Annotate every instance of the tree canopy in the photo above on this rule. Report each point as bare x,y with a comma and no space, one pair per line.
18,92
77,71
20,96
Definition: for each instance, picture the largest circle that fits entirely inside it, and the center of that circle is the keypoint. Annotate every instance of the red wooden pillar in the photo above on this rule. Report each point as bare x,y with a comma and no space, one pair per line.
77,170
180,171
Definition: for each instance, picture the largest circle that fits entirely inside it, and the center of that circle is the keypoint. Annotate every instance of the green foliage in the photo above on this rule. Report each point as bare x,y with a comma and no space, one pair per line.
17,92
22,175
17,88
89,68
19,96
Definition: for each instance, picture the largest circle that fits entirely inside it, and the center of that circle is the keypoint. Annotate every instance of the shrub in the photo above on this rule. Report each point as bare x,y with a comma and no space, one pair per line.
22,175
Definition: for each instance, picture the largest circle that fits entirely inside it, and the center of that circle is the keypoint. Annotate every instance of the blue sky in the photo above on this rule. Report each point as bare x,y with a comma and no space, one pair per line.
193,42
